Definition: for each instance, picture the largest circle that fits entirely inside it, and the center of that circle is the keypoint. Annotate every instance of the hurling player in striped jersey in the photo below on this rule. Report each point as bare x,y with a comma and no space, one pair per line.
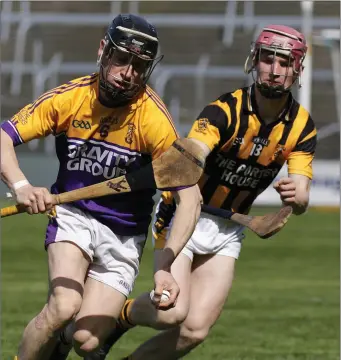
248,135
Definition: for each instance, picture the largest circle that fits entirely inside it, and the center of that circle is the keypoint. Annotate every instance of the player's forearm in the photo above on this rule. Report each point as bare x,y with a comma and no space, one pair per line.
184,222
10,171
302,191
301,204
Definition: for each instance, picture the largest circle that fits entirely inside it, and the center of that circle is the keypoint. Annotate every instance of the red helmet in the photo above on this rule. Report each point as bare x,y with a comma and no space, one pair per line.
282,40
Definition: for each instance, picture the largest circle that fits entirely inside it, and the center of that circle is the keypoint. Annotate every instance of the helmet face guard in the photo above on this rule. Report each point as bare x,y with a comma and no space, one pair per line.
130,46
273,42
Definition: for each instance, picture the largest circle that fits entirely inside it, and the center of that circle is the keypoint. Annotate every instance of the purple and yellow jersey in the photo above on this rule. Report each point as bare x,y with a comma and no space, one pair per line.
95,143
247,154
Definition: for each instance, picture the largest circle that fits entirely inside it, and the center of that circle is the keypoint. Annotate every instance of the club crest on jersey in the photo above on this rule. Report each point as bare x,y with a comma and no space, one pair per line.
278,151
202,125
130,133
237,141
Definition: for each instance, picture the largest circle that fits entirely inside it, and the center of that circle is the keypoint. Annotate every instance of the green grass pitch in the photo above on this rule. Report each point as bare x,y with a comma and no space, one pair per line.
284,304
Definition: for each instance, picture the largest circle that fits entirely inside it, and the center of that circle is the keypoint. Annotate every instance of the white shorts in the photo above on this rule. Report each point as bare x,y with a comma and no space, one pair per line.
115,259
212,235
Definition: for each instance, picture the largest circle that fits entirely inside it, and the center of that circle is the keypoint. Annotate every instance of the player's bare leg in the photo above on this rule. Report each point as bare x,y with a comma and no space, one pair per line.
141,311
211,281
67,269
144,313
100,309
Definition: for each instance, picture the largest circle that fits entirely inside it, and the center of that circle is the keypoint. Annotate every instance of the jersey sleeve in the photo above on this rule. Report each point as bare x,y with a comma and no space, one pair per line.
301,158
210,126
38,119
160,133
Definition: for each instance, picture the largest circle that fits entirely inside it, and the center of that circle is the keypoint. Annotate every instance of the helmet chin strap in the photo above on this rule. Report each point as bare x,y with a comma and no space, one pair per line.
272,92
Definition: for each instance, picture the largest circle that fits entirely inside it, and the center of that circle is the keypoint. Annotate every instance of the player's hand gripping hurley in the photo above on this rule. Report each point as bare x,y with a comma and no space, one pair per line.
181,165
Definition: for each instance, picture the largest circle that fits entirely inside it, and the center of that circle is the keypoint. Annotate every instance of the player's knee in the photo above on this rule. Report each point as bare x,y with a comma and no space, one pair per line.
63,308
193,335
179,316
84,342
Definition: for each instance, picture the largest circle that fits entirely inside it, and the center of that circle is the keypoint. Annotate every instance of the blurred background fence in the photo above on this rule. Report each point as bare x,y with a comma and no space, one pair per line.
47,43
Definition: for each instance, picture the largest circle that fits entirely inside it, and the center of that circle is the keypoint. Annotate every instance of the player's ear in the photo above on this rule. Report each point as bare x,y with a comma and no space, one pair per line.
101,47
100,51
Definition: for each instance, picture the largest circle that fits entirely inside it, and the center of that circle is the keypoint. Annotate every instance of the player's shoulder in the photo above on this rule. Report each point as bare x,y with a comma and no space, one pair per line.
229,98
152,100
299,113
153,105
72,88
83,80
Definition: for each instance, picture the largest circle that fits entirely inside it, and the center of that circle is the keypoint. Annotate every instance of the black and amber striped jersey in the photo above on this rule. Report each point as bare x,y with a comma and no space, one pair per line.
246,153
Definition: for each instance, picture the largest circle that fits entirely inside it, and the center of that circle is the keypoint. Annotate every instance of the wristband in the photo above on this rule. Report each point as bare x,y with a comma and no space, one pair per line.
19,184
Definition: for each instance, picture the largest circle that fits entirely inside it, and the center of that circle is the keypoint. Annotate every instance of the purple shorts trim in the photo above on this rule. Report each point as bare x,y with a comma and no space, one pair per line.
51,232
